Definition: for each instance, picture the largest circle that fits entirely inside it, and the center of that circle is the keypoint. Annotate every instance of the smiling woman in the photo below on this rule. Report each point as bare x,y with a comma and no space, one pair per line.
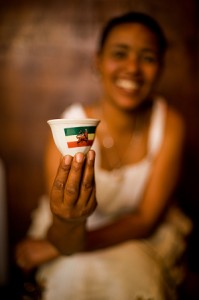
113,229
130,64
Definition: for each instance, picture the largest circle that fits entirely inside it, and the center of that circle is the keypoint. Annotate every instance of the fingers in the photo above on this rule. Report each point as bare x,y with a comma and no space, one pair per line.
21,257
72,187
73,191
88,183
57,192
90,205
80,181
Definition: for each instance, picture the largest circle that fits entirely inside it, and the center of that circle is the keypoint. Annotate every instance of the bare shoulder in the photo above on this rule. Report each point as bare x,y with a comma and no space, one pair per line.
51,149
175,123
92,110
51,162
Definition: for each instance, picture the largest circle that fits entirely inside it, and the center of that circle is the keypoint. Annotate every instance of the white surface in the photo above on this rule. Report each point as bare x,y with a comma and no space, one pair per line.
57,127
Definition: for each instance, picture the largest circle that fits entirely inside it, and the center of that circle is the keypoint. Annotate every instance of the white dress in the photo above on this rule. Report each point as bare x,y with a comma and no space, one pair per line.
138,269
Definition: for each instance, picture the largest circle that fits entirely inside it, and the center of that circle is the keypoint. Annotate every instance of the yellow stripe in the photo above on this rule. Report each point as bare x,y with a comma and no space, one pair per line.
72,138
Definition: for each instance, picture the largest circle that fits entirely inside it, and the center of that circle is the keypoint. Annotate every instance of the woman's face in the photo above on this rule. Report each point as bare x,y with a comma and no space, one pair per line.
129,65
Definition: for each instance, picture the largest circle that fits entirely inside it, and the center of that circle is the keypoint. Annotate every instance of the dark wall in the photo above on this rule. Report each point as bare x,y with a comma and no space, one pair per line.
46,51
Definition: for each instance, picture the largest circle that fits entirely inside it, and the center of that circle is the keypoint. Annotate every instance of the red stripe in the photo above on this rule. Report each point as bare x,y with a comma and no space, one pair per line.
80,144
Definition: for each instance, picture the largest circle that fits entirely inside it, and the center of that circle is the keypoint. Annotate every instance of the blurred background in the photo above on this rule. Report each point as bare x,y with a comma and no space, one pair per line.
46,52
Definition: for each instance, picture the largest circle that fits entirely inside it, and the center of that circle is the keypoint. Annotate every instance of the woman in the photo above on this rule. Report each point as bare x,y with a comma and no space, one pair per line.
113,234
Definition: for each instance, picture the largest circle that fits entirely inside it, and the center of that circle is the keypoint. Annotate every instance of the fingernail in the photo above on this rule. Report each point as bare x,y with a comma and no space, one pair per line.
79,157
67,160
91,155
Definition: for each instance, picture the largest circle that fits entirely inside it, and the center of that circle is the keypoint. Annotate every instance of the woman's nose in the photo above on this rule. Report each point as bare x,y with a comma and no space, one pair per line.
133,64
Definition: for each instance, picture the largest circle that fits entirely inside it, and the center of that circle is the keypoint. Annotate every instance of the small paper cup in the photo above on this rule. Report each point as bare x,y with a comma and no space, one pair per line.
73,135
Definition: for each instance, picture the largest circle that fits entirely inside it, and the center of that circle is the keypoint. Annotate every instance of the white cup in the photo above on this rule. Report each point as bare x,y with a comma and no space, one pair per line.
73,135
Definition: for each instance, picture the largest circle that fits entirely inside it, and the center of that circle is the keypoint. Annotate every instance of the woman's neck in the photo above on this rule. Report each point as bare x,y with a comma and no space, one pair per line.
118,119
122,135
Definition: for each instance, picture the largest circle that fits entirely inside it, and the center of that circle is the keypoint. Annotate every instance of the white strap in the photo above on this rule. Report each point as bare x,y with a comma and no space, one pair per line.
158,121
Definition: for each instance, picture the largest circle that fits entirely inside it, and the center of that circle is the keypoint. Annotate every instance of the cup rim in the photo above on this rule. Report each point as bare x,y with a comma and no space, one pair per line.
73,121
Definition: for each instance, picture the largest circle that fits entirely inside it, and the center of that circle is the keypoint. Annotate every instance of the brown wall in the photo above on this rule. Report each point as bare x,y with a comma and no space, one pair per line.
46,51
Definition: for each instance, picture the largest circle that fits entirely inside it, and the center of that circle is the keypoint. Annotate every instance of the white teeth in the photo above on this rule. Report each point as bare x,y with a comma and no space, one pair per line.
127,84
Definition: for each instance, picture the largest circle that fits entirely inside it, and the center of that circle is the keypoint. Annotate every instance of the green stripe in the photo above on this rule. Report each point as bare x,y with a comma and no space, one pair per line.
78,130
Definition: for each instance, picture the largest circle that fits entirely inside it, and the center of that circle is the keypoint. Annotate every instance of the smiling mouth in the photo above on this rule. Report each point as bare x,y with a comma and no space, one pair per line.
128,85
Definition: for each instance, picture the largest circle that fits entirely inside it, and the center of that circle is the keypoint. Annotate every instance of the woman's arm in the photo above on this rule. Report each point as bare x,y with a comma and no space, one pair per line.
31,253
72,202
161,185
73,193
139,224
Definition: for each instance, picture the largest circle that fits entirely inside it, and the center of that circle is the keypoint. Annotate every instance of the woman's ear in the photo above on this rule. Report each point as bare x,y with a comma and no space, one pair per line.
161,67
159,75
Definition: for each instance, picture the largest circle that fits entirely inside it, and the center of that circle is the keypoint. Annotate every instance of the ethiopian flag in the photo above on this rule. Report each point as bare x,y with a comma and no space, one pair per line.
80,136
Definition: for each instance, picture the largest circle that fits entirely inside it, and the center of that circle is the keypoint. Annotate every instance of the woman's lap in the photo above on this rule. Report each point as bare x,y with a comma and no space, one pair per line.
125,272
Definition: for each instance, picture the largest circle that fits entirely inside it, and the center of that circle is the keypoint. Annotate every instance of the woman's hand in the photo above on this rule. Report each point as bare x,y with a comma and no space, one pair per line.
73,192
72,201
31,253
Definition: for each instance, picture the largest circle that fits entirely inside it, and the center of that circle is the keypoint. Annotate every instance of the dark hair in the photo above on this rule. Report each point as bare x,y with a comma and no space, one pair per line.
135,17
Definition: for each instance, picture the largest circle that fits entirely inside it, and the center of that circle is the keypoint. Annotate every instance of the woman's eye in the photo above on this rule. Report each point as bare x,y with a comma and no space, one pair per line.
118,54
150,59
